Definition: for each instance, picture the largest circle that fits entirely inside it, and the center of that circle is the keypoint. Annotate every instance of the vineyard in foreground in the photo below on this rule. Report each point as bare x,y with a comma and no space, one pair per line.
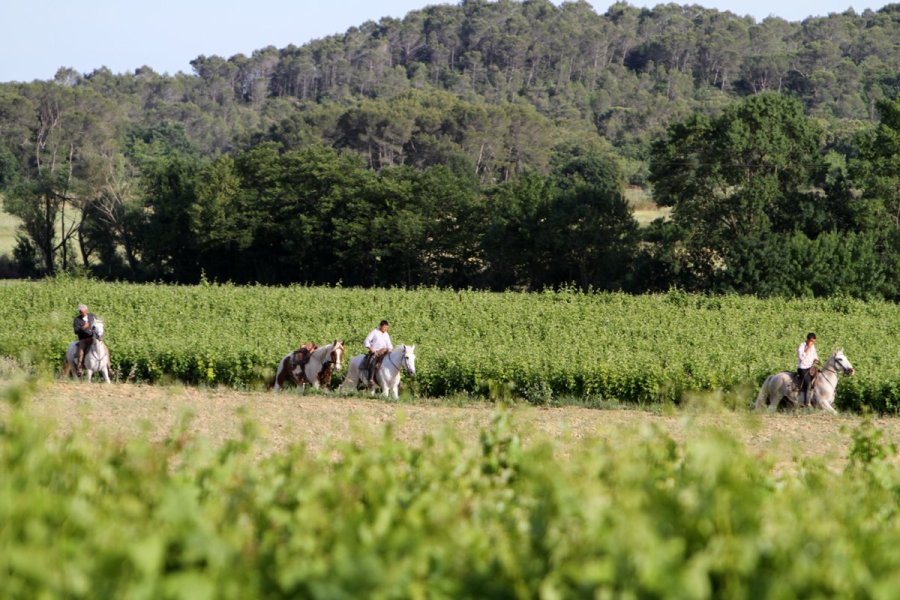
636,515
546,347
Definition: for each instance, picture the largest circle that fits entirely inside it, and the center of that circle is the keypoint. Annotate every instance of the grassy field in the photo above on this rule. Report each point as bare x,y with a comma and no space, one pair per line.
8,225
548,348
643,207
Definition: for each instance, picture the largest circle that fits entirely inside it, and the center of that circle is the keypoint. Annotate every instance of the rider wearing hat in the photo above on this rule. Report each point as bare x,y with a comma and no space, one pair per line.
82,325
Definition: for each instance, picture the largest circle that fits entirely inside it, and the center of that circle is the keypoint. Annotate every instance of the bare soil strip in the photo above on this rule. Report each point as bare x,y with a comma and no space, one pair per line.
288,418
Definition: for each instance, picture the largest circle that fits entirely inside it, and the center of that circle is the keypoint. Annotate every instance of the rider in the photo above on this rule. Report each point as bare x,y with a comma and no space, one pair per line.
82,325
806,358
378,343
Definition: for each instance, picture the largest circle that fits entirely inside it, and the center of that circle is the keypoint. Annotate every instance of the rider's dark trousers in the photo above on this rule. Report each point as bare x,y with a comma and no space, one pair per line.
805,380
83,345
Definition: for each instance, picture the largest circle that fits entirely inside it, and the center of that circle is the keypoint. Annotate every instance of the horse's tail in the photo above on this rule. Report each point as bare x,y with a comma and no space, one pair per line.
763,394
66,367
279,379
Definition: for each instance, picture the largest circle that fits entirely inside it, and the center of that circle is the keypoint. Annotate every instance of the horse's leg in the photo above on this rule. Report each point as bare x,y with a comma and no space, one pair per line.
827,403
314,380
90,373
387,384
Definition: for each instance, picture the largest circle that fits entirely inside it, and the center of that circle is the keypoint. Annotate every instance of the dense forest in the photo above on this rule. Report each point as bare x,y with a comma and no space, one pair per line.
486,145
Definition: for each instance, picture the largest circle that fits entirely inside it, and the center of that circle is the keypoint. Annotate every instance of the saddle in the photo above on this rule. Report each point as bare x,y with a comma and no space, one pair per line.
813,374
300,356
377,359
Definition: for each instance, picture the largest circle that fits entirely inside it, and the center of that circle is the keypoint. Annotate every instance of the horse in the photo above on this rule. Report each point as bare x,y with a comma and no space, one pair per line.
96,359
401,358
316,372
781,386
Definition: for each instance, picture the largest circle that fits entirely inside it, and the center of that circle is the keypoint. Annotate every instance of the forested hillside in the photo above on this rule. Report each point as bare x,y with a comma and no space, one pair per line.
486,144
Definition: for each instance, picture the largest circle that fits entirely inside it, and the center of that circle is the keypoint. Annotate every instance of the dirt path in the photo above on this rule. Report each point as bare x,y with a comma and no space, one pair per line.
124,410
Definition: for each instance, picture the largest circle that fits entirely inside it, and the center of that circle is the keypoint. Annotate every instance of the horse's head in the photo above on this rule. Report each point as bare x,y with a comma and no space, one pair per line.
841,363
97,330
337,354
409,359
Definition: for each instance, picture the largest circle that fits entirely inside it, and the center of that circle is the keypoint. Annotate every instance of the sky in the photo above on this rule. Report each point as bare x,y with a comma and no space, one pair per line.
37,37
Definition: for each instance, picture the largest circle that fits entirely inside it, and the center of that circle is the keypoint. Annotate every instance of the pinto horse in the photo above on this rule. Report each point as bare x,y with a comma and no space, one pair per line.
317,371
782,387
401,358
96,359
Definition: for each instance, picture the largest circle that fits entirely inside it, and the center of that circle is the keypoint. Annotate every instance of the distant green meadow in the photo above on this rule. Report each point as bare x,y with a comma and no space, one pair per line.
8,225
546,348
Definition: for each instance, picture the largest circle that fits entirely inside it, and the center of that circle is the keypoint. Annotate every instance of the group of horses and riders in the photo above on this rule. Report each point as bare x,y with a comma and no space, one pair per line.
380,367
812,385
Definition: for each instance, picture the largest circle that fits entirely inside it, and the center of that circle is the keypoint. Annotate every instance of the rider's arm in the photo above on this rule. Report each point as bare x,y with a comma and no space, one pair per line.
80,325
370,339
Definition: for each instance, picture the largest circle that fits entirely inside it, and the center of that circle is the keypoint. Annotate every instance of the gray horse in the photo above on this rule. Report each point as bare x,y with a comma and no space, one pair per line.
781,386
96,359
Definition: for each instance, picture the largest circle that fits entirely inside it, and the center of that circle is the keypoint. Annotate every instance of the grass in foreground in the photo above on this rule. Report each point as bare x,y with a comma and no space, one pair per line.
638,514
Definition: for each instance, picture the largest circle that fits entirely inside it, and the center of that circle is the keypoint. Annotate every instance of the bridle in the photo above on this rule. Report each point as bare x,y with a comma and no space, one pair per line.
98,349
333,356
403,361
838,361
844,369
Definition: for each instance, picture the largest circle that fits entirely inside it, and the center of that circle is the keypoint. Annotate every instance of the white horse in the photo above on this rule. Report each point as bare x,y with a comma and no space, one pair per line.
401,358
317,371
96,359
782,386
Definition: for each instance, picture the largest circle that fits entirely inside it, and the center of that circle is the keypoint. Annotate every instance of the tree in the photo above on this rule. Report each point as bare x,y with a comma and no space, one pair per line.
877,170
586,233
742,174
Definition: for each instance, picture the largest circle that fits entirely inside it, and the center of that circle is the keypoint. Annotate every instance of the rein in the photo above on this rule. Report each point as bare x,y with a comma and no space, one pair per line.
391,360
99,355
833,370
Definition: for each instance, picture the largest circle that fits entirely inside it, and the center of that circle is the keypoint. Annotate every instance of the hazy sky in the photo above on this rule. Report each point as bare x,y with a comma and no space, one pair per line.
37,37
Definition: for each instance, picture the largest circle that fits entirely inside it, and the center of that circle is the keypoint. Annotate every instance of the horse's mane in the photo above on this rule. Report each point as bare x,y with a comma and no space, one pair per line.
322,351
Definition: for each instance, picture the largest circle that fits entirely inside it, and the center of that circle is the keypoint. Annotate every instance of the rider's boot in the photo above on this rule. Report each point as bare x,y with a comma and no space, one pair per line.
370,370
79,362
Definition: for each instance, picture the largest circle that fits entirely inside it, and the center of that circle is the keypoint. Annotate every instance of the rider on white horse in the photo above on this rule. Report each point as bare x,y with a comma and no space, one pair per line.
806,358
378,343
82,325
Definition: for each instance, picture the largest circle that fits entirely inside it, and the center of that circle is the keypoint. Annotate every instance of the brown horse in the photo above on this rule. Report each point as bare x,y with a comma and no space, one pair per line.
322,360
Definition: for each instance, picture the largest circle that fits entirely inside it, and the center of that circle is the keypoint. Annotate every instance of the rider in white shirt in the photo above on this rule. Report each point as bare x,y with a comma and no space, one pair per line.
806,358
378,343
